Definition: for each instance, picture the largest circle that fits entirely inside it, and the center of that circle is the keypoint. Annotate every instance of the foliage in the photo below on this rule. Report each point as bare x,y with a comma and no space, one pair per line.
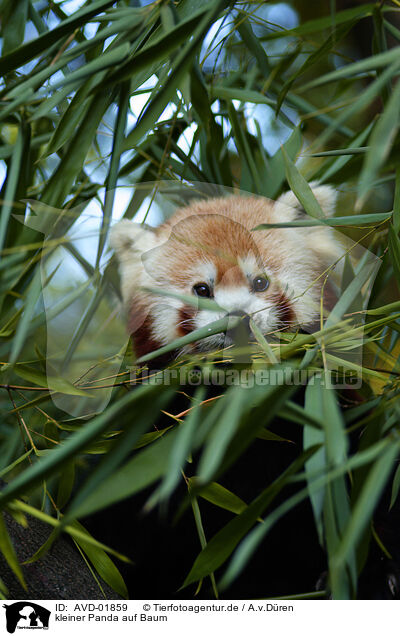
68,127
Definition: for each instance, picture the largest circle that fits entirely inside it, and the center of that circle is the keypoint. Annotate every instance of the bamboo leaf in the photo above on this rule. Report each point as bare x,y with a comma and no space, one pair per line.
180,66
394,248
32,297
221,435
301,188
55,460
250,543
224,542
102,563
219,496
363,100
396,204
356,220
381,60
13,176
212,328
182,447
366,502
160,47
380,144
31,49
243,95
15,13
58,384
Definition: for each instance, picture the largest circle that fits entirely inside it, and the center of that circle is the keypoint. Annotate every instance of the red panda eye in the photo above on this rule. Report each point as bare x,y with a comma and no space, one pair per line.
202,289
260,284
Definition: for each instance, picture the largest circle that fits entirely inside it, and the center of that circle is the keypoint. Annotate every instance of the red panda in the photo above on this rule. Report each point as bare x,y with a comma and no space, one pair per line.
208,249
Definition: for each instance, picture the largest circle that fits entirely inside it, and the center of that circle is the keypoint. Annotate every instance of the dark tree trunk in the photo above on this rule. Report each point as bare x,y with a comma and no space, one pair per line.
60,574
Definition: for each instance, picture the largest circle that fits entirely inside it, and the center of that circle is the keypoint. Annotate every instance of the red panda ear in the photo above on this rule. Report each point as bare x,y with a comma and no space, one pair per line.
288,207
131,239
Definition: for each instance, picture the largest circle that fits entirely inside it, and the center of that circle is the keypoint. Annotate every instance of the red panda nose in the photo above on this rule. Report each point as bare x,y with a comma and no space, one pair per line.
244,324
240,335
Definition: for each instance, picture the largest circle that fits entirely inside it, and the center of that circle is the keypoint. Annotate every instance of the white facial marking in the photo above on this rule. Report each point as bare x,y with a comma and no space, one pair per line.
204,271
250,266
234,299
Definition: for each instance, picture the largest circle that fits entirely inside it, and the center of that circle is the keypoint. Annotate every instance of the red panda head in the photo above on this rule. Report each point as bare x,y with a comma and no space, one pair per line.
208,249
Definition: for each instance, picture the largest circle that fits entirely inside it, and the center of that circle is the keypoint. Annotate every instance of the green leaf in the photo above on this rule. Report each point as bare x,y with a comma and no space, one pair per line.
57,457
339,153
33,294
211,329
221,435
243,95
374,62
15,463
396,204
59,184
202,537
253,44
351,292
14,17
244,149
160,47
276,164
13,175
366,502
145,414
218,495
394,249
107,60
112,176
149,438
31,49
380,144
319,24
146,467
336,502
395,487
74,532
250,543
12,107
66,484
180,66
182,446
224,542
327,47
58,384
102,563
262,341
343,160
362,102
311,437
301,189
356,220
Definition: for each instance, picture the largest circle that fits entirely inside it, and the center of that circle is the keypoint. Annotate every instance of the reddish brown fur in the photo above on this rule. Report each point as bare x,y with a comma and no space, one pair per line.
231,276
285,310
139,327
185,321
192,241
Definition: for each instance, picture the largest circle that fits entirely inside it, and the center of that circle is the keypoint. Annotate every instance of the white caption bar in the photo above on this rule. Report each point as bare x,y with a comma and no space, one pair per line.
182,617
